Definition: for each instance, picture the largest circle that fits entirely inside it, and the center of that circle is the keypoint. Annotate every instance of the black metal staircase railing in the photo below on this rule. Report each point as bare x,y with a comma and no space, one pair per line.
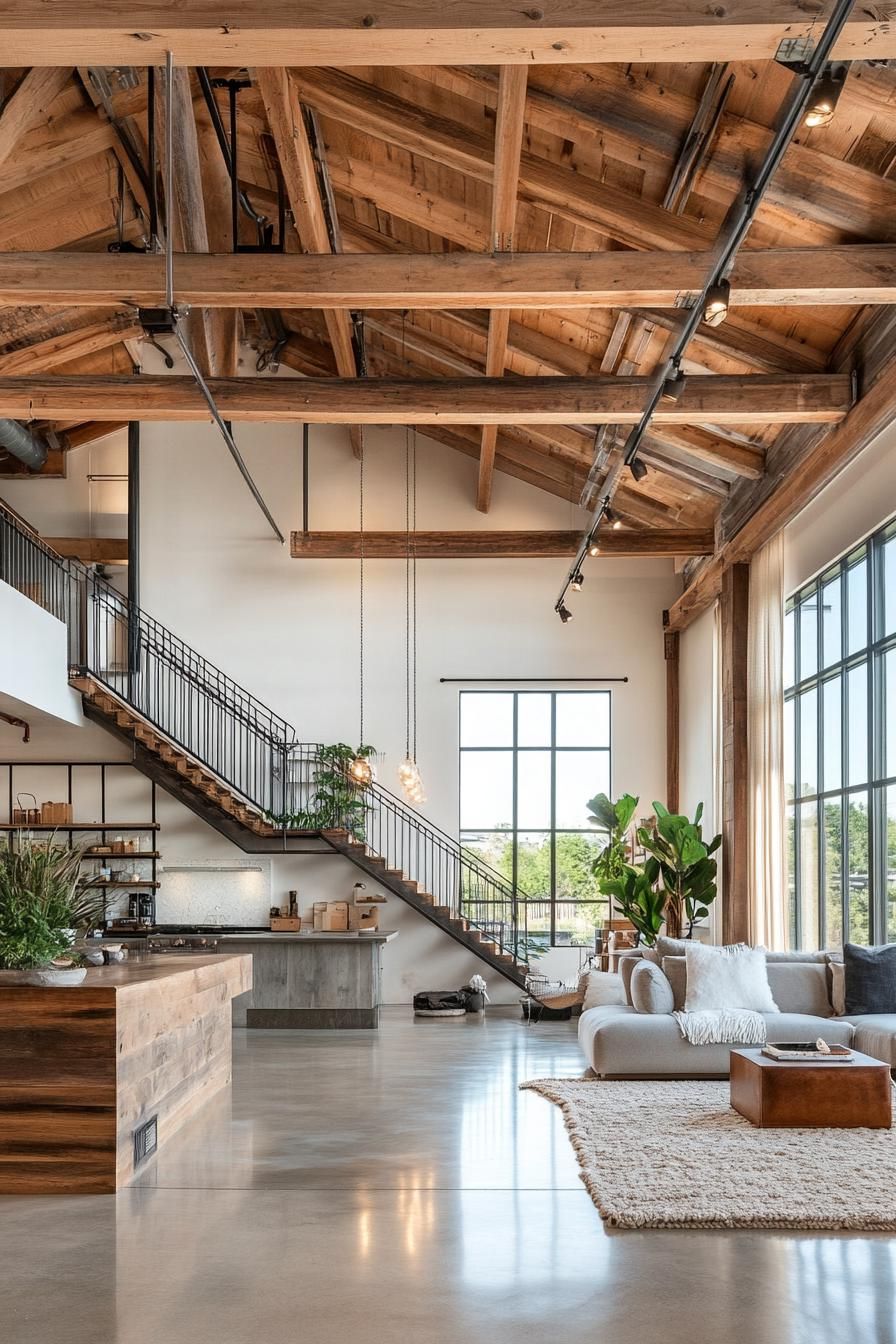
245,744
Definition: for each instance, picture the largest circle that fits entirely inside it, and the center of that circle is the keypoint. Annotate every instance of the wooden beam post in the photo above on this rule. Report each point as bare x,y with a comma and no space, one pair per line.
28,104
735,601
509,126
673,713
284,113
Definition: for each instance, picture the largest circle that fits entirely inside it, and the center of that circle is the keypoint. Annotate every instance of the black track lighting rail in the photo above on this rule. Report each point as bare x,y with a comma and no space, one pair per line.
810,71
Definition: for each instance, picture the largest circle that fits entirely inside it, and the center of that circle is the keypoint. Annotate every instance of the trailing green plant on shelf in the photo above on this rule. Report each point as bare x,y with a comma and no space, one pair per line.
337,800
676,883
44,902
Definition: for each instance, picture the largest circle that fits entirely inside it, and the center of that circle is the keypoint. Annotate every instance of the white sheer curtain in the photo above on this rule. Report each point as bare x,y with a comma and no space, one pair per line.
765,730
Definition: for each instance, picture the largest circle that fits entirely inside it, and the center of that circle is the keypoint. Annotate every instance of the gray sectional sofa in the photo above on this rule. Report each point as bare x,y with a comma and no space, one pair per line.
620,1042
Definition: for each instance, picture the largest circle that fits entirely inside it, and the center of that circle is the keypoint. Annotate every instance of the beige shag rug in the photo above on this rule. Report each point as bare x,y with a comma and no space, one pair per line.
674,1154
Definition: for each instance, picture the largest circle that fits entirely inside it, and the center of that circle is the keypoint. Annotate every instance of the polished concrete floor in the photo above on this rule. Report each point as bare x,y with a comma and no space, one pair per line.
397,1188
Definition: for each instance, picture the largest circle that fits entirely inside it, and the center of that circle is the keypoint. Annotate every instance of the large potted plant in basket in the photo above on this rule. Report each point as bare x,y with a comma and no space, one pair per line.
675,884
44,902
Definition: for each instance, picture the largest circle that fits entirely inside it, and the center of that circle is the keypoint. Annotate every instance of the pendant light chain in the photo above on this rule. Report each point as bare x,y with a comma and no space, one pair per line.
414,584
361,769
361,592
407,592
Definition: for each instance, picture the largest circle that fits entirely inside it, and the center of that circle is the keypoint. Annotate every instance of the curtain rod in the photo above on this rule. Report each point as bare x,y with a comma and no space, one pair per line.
528,681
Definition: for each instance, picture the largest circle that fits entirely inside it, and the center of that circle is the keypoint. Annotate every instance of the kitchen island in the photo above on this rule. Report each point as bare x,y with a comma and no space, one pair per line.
86,1070
310,979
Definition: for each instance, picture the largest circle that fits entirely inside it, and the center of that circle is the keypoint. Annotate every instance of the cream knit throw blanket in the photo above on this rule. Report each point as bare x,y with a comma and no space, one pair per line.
722,1026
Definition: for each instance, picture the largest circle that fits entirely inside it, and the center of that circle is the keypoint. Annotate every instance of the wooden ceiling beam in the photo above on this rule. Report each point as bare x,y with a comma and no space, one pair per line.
790,277
55,350
620,214
509,126
185,213
29,103
821,461
336,32
487,544
300,179
720,399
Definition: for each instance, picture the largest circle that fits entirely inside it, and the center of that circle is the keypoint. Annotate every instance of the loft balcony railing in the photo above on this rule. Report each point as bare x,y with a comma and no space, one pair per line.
254,751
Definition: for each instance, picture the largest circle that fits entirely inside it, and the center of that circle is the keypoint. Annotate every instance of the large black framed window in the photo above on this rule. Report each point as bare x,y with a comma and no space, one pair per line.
529,763
840,749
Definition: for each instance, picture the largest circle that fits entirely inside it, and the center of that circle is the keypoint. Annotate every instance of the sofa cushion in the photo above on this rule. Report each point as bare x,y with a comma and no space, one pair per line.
722,977
800,987
671,947
603,987
875,1035
795,956
650,990
626,964
619,1042
870,979
675,970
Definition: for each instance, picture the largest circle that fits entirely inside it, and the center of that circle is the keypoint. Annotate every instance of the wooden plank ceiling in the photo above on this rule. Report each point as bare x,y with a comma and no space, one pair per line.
410,167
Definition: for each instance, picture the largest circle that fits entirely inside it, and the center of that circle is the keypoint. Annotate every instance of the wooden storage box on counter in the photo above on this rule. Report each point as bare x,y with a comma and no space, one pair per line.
285,924
335,919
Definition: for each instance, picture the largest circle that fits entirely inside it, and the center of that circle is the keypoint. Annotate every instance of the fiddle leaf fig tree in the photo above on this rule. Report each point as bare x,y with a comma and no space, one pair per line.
686,869
676,884
615,819
636,896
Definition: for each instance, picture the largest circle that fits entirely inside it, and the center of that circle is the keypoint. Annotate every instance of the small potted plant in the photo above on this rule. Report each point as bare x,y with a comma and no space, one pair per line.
44,902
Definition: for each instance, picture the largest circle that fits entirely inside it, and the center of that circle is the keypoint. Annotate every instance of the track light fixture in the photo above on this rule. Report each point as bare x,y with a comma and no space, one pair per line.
673,387
718,299
593,548
612,518
826,95
564,613
637,469
576,582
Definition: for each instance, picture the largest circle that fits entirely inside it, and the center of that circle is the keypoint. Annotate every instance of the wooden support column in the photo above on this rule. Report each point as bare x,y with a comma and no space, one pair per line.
735,827
673,738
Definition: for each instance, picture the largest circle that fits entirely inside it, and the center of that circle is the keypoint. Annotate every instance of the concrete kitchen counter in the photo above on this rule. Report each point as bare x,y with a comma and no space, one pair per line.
310,979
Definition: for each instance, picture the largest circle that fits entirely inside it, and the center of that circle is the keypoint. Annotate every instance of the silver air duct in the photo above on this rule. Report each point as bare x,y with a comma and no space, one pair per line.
29,448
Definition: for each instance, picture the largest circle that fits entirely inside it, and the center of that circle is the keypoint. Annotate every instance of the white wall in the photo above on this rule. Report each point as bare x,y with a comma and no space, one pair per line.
860,499
34,659
288,629
76,506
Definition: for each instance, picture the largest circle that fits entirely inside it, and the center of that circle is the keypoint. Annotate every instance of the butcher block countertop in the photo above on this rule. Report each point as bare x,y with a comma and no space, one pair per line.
83,1067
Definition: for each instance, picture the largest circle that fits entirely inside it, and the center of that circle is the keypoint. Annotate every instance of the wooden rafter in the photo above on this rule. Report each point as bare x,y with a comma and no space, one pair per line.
821,462
509,126
74,344
28,104
761,400
496,545
335,32
296,158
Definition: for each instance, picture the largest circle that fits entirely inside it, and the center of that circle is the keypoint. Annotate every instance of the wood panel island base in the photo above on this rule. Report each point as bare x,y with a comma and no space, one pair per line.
83,1068
316,980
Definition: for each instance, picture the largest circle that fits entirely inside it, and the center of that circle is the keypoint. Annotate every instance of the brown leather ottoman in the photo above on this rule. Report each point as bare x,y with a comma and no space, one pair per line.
803,1094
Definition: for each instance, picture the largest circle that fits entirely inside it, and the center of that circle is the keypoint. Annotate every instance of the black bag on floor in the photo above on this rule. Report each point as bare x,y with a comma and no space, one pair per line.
440,1003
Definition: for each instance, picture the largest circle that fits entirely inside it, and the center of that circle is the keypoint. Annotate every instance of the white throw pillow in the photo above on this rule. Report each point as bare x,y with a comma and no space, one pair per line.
604,988
722,977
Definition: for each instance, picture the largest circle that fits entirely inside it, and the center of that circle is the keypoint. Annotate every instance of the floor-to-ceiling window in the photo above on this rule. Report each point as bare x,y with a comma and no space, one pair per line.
840,749
529,763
